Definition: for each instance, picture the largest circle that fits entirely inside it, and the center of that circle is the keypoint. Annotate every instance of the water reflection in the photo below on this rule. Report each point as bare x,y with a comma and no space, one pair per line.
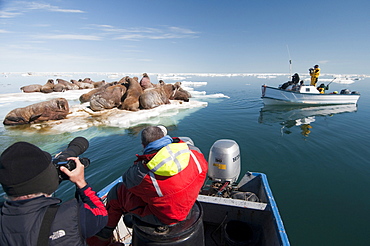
290,116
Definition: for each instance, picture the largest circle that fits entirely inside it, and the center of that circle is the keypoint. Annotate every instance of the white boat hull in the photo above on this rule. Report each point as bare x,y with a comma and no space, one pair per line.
275,96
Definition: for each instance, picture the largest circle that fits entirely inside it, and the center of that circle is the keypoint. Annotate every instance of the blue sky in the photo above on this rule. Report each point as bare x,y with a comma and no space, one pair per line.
193,36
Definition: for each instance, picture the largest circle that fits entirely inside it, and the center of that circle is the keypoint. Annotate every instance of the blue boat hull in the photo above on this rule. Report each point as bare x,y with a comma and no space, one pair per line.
230,221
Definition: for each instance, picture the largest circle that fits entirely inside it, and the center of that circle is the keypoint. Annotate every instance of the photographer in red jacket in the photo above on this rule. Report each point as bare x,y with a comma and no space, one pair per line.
162,185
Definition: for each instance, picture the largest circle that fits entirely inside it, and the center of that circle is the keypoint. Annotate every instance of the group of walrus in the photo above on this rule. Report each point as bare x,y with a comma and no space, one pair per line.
126,94
63,85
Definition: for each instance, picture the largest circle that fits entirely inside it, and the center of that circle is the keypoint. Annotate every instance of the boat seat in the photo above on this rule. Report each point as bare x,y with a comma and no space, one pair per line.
187,232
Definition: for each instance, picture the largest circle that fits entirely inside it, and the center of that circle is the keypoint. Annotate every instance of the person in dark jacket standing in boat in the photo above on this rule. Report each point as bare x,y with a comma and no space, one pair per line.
30,215
295,78
162,185
314,73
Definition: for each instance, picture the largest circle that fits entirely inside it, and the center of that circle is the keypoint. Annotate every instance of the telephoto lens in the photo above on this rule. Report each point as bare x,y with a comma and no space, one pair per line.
75,148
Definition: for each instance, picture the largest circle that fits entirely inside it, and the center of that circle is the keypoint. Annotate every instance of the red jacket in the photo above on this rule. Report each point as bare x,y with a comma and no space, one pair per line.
169,197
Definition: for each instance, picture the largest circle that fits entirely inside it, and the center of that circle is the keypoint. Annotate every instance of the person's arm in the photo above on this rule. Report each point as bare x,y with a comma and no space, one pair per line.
93,214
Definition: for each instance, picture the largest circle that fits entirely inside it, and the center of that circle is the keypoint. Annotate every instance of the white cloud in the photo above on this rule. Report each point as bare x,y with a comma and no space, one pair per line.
131,37
71,37
142,33
181,30
48,7
8,14
323,62
170,36
4,31
105,26
16,8
136,34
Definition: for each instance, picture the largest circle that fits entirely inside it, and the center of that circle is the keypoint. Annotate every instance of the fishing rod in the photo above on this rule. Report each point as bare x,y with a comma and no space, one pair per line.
331,81
290,61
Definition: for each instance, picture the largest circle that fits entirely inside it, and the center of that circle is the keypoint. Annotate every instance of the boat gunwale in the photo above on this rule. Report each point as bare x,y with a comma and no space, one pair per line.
308,93
270,203
291,103
274,208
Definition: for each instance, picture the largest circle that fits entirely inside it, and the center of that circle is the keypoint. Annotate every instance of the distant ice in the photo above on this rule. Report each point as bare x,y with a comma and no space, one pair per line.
165,77
192,84
175,76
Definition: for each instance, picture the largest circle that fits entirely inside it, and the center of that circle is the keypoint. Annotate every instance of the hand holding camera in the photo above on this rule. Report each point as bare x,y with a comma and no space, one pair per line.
67,160
77,175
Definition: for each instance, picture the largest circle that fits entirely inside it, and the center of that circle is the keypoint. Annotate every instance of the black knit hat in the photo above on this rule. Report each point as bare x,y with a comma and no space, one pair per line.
26,169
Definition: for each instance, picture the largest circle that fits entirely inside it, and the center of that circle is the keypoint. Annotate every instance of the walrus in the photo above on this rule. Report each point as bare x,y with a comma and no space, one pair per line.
68,85
130,100
31,88
87,96
82,85
153,97
59,88
145,82
180,93
108,98
175,92
86,80
55,109
99,84
48,87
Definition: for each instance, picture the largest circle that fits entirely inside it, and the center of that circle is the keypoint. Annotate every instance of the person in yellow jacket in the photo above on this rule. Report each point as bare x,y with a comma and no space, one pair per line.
314,73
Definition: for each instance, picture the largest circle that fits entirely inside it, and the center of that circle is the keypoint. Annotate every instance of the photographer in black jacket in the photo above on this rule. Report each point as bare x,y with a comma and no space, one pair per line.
30,215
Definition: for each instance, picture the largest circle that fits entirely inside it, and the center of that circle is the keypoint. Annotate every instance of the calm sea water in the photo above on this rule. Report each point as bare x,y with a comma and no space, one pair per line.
316,159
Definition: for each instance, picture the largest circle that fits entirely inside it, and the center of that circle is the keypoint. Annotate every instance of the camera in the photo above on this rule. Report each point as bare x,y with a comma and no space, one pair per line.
75,148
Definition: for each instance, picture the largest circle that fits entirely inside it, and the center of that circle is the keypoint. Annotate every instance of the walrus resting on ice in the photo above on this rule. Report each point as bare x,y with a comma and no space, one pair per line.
108,98
153,97
145,82
55,109
179,93
130,100
31,88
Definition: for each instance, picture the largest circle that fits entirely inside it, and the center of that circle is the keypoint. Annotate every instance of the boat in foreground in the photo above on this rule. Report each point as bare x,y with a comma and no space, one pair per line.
228,213
306,95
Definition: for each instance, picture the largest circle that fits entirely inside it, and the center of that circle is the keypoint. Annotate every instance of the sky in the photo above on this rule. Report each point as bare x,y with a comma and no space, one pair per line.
192,36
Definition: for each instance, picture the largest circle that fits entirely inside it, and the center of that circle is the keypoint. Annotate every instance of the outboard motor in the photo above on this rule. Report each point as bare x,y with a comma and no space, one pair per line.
224,165
224,161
